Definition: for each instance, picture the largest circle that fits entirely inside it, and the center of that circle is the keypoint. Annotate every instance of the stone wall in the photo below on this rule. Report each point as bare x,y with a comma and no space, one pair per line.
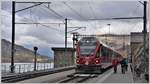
139,61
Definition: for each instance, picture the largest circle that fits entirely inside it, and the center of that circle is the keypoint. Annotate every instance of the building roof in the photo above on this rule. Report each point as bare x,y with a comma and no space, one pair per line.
62,49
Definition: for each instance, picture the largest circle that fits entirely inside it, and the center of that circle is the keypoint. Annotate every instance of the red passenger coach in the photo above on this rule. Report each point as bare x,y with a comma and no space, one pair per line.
93,56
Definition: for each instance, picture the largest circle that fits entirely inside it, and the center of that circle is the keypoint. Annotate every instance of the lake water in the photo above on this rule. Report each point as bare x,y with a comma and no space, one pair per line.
25,67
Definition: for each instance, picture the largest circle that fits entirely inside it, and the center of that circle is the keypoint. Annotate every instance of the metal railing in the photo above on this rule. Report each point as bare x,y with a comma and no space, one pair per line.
21,68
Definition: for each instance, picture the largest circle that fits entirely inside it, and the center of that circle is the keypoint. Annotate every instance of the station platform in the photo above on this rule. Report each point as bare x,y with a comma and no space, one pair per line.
119,77
110,77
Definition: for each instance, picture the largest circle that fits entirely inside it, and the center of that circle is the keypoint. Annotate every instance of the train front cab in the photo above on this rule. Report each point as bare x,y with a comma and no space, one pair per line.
89,63
88,68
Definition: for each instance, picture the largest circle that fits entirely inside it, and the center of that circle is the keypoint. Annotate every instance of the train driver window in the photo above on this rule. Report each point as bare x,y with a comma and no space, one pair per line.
97,54
100,53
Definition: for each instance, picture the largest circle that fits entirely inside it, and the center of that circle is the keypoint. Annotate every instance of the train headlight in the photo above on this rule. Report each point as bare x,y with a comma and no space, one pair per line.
77,61
97,61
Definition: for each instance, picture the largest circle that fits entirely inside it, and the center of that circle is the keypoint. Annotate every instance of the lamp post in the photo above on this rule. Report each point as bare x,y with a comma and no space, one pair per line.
107,34
35,58
109,28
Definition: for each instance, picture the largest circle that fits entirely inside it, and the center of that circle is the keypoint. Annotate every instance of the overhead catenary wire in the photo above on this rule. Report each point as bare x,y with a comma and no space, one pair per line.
62,16
51,10
91,9
54,11
28,7
74,29
40,3
41,23
76,12
33,22
73,10
44,25
135,10
141,2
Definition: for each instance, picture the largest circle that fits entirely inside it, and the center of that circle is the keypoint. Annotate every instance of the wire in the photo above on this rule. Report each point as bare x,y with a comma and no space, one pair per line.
41,24
45,25
91,10
31,16
136,10
28,7
54,12
141,2
73,10
51,10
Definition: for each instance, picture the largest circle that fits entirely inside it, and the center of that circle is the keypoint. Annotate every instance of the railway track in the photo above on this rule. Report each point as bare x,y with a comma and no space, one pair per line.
75,78
13,78
20,77
78,78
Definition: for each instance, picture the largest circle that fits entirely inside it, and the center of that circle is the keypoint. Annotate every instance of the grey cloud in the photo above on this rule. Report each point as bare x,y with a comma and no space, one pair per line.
100,9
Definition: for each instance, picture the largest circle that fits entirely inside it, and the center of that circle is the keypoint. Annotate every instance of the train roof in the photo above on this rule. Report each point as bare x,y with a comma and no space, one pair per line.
105,45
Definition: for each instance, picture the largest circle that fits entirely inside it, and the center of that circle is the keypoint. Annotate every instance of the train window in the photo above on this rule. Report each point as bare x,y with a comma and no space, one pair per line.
98,54
104,51
87,50
87,41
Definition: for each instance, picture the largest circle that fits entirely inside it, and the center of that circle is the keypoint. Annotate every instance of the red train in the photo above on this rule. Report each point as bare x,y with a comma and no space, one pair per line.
93,56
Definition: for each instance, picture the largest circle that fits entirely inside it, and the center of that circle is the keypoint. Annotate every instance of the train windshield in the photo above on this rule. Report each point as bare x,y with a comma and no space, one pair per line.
87,50
87,45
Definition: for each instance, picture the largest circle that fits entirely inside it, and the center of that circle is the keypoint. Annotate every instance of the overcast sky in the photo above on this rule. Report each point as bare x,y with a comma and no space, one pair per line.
49,36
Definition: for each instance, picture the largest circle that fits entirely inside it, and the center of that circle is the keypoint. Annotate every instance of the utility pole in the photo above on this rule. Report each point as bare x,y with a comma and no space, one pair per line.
13,37
65,39
65,33
107,34
106,38
75,40
145,32
14,11
123,42
144,25
109,28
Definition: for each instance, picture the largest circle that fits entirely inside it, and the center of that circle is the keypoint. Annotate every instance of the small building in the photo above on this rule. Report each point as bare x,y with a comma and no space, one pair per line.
63,57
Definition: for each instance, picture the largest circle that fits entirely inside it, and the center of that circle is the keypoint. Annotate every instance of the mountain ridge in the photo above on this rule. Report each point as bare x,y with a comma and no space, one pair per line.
22,54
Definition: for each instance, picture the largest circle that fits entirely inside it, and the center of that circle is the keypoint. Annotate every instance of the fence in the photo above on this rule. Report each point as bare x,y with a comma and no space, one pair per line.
26,67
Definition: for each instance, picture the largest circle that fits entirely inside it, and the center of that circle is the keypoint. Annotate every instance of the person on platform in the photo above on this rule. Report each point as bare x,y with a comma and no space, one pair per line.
115,63
126,64
123,66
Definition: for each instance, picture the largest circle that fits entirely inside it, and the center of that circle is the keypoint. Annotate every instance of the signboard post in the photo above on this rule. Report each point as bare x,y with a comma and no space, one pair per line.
35,59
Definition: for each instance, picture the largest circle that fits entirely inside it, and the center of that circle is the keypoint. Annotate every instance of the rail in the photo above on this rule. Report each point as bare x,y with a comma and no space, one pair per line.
79,77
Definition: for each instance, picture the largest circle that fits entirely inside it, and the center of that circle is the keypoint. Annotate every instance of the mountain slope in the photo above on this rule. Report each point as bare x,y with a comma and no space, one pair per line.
21,54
